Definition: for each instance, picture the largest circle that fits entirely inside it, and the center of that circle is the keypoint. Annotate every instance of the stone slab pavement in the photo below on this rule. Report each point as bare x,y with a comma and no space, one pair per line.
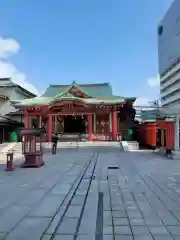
92,194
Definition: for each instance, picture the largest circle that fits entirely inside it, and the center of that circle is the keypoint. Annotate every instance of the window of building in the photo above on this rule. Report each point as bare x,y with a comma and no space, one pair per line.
160,30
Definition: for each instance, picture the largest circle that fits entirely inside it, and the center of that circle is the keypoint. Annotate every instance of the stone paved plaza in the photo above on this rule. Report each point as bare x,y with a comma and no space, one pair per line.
92,194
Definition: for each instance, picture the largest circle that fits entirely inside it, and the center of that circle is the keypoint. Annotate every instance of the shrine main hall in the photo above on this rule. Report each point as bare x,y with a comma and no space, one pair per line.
88,109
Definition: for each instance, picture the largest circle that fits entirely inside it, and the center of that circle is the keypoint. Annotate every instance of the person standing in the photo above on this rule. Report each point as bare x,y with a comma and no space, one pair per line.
54,143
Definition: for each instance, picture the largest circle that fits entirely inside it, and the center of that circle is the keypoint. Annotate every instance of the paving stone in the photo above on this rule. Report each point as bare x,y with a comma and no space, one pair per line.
108,237
68,226
29,228
118,208
123,230
63,237
86,237
140,230
78,200
170,221
107,214
87,226
143,237
47,207
11,216
108,230
120,221
157,230
174,230
164,238
61,189
74,211
46,237
107,221
137,221
176,238
33,197
119,214
2,235
134,214
153,222
123,237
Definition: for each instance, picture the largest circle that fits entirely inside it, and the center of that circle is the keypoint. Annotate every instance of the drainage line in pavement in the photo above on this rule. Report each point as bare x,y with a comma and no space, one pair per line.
61,219
99,219
82,171
85,200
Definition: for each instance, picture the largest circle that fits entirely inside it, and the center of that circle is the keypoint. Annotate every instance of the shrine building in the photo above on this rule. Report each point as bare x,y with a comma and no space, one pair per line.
88,109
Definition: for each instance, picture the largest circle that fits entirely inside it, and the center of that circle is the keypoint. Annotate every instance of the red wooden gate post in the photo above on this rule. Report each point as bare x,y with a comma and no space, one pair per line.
49,128
89,127
114,125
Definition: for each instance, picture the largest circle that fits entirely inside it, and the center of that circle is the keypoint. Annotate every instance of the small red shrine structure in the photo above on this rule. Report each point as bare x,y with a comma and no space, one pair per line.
90,109
159,133
32,150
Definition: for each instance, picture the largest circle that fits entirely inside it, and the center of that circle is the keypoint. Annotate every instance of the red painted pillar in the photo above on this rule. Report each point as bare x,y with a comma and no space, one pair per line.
49,128
89,127
114,125
26,121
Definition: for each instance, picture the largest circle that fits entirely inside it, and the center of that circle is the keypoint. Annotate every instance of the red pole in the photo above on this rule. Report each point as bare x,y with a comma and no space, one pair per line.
9,163
89,127
114,125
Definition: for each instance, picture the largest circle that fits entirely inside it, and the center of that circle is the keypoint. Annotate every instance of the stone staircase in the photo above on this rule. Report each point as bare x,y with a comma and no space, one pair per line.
3,147
6,147
17,149
130,146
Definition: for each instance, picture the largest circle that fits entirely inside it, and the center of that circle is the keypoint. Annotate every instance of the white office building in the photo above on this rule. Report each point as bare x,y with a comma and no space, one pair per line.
169,57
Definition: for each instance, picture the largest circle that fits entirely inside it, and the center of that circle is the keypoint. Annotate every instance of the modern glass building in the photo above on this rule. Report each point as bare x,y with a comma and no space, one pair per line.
169,56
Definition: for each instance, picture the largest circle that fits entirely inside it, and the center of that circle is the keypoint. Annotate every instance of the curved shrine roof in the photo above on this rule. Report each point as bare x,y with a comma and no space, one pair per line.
88,93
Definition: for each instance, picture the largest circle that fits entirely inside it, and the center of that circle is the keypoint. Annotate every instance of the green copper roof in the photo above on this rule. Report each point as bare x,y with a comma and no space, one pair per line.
94,94
32,102
93,90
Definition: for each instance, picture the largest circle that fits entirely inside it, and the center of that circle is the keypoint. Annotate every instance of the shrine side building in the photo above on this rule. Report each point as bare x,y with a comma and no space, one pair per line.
89,109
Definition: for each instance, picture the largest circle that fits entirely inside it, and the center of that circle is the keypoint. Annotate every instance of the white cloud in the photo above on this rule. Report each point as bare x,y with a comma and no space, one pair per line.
153,89
8,70
154,81
142,101
8,46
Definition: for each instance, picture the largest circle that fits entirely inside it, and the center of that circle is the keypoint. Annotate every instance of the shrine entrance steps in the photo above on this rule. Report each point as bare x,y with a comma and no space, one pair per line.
109,146
72,137
129,146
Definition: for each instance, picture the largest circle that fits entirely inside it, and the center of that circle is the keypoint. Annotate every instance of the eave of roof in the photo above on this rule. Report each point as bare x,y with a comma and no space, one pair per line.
42,101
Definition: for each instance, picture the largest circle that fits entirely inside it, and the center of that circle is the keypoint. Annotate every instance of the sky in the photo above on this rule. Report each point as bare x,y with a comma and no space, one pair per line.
90,41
